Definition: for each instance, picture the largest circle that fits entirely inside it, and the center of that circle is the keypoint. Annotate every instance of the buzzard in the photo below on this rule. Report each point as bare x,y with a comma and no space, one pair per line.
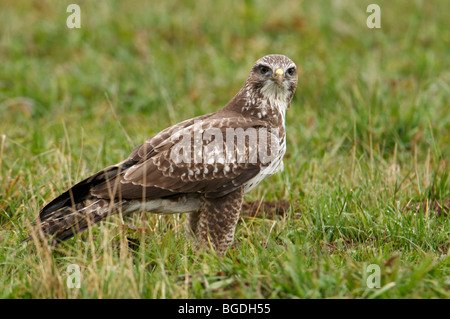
202,166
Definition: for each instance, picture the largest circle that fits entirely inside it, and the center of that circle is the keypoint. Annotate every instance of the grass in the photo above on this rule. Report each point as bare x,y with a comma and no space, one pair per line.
367,157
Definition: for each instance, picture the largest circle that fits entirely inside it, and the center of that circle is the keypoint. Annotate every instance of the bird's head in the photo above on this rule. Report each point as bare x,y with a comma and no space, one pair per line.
274,77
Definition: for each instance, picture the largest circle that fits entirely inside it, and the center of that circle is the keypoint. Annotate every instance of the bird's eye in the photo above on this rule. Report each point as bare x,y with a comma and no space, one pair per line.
291,71
264,69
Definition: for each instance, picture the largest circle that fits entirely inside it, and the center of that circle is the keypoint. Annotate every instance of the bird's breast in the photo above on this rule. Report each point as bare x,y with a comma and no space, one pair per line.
275,165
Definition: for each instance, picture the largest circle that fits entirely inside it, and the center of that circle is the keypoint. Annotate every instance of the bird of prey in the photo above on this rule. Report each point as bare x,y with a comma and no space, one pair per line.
202,166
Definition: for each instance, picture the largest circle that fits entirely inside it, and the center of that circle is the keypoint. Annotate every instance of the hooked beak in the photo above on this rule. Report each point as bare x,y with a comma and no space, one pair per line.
279,76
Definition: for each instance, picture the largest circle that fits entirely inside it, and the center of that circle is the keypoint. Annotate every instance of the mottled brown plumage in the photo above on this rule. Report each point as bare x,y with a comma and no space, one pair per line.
202,166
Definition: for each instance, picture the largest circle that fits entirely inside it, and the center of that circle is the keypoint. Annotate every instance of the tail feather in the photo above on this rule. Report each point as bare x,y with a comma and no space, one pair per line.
67,221
72,211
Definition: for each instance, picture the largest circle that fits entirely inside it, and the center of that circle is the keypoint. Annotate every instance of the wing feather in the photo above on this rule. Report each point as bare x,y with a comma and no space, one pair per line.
157,171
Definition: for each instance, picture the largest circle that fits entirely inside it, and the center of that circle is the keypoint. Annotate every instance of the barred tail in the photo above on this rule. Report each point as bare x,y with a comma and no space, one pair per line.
67,221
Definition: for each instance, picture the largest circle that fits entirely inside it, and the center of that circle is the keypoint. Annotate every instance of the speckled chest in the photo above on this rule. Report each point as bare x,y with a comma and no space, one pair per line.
275,165
273,111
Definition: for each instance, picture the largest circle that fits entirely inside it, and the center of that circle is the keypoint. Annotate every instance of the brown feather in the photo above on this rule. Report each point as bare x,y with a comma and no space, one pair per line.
209,186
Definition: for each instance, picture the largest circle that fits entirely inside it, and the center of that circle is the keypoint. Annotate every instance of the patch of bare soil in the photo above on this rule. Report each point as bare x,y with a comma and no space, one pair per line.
265,209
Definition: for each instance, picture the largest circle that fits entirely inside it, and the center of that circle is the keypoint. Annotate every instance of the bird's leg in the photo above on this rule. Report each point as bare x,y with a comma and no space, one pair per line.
192,223
214,224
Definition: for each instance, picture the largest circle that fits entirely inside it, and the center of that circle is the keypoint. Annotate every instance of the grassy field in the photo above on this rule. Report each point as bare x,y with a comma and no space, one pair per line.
366,178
